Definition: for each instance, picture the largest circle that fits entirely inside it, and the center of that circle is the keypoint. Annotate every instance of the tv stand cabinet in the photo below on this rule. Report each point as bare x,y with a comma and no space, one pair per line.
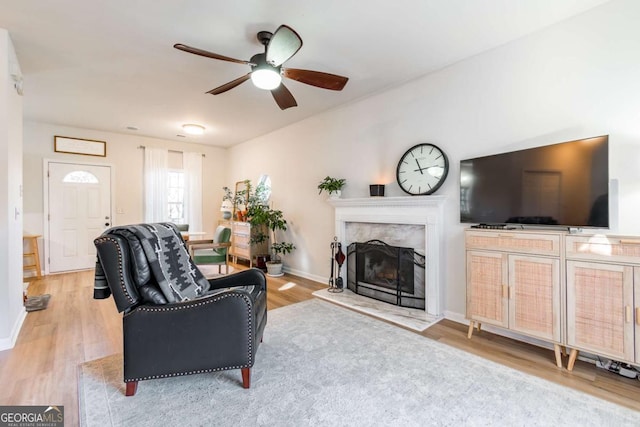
576,291
513,281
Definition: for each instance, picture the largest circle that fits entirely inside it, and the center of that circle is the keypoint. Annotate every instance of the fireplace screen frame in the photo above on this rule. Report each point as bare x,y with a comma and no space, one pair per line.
400,290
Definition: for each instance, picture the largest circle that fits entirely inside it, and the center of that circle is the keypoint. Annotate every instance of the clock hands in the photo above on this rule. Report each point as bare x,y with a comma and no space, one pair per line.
420,169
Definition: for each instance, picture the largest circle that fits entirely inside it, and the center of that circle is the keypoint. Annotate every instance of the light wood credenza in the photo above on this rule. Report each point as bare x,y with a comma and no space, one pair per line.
577,291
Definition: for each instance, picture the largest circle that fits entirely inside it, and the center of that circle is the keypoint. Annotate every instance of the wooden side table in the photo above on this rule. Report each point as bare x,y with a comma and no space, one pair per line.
32,244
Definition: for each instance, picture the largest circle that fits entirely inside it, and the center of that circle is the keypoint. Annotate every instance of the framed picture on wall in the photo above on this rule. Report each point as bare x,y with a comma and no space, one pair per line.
87,147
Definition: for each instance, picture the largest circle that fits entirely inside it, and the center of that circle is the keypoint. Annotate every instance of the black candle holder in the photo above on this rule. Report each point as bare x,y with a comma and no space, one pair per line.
376,190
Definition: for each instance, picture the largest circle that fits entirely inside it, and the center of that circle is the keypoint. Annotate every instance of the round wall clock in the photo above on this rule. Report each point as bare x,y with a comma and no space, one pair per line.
422,169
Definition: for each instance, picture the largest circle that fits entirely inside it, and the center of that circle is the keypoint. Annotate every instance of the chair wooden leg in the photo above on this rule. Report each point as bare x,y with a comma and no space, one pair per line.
246,377
132,387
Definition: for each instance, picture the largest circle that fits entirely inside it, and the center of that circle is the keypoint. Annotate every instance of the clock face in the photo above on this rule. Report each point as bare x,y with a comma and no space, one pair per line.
422,169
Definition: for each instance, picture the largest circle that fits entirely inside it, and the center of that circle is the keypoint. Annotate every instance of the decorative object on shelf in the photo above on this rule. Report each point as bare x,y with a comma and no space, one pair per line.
227,204
241,199
422,169
88,147
227,209
333,186
337,259
376,190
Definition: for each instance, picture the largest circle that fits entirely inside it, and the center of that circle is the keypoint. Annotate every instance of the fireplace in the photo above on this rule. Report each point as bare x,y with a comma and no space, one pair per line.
387,273
404,222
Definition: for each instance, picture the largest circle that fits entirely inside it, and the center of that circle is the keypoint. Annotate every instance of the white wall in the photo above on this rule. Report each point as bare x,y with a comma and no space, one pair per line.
576,79
11,308
127,160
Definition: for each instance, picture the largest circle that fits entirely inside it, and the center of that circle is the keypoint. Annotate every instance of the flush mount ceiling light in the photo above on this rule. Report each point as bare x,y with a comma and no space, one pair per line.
192,129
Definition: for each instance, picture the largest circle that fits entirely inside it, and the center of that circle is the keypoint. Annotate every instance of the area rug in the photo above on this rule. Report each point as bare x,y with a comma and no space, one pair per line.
38,302
324,365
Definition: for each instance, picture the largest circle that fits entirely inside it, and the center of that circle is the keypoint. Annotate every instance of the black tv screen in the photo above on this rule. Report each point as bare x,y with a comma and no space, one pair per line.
564,184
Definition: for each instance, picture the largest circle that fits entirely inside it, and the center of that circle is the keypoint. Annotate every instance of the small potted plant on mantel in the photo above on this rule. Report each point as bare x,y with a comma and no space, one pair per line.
333,186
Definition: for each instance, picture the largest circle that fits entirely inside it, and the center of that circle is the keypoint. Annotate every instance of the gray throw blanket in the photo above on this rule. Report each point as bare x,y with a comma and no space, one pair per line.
178,278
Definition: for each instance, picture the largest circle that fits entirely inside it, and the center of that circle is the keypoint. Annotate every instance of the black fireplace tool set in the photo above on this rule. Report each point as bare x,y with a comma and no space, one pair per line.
337,259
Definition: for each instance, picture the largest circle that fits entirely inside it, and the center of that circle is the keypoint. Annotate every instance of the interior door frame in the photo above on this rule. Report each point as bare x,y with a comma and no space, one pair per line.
45,199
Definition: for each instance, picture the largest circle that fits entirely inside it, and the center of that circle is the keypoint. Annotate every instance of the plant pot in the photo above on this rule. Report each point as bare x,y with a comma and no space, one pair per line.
261,261
226,214
274,269
335,194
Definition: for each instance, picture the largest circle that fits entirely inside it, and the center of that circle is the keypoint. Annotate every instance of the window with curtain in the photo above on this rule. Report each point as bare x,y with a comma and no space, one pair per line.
173,194
156,208
192,168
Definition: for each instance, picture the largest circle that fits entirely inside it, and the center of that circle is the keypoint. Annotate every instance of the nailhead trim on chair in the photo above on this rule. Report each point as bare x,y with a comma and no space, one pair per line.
111,240
188,305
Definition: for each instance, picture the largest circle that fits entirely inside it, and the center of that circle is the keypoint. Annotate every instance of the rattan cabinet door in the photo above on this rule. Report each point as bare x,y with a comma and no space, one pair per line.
600,309
487,288
534,296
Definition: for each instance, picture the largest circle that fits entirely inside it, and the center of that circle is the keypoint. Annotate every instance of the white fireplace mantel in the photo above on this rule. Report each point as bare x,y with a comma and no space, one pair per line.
419,210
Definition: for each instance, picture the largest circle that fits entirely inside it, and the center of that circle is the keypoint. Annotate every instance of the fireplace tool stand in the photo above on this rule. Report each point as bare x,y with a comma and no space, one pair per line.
337,259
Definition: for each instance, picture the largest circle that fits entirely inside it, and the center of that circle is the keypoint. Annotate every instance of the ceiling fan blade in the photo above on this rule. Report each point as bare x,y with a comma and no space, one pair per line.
283,97
284,43
316,78
207,54
225,87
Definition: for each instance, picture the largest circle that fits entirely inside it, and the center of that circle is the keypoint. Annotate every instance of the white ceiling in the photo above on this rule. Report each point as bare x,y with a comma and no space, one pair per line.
110,64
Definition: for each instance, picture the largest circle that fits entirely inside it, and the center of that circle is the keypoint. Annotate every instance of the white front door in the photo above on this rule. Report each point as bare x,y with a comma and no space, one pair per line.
79,211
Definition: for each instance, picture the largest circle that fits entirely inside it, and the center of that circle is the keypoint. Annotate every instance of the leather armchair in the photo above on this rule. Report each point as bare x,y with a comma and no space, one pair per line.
217,331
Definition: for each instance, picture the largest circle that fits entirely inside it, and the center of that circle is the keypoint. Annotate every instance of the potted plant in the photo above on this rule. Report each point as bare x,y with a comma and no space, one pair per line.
274,267
333,186
267,221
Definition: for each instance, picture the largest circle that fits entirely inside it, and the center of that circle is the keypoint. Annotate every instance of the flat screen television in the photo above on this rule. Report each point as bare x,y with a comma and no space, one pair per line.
565,184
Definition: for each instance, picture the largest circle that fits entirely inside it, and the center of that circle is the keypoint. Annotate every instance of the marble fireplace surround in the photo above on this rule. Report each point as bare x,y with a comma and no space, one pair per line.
425,211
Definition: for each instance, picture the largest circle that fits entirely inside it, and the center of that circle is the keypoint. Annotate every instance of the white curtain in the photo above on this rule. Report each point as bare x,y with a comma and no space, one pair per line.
192,166
156,207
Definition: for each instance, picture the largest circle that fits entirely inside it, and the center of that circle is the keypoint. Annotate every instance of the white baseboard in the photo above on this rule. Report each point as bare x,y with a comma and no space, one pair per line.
10,342
306,275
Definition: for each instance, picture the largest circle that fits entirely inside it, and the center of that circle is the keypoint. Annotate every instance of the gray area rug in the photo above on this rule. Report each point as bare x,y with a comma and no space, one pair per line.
35,303
324,365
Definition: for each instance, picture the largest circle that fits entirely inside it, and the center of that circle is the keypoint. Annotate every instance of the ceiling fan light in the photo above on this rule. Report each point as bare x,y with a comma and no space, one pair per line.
192,129
266,79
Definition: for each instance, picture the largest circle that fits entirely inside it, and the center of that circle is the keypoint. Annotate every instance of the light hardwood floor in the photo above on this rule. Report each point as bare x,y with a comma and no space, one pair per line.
42,368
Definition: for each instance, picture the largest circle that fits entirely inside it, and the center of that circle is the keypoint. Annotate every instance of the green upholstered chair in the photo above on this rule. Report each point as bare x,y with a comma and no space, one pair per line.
215,251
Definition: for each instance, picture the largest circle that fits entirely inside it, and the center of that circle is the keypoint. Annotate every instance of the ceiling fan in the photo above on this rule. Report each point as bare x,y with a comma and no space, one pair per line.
267,70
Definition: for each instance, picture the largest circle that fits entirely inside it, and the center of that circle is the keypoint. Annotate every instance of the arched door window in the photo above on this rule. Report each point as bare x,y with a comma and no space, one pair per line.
80,177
